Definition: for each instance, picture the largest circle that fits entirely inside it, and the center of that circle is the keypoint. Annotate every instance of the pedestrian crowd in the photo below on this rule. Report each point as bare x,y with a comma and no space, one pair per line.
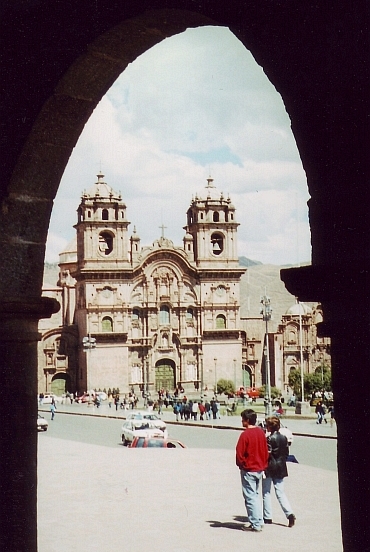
186,410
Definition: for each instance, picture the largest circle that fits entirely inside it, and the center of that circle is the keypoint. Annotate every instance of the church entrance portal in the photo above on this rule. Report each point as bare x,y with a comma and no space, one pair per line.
59,384
165,375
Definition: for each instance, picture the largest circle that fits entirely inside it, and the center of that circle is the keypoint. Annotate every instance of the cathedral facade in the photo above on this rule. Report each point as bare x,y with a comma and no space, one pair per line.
147,317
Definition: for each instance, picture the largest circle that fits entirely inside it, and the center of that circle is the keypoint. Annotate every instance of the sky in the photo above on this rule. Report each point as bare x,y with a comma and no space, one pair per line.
195,105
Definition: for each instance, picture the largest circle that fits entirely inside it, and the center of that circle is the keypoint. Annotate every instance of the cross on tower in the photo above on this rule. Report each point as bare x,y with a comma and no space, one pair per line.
163,227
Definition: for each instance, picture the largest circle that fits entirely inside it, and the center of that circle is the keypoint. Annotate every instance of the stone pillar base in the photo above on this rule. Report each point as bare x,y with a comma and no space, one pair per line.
303,408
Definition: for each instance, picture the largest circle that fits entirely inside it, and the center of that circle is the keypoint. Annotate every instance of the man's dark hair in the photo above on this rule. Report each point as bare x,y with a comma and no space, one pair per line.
250,416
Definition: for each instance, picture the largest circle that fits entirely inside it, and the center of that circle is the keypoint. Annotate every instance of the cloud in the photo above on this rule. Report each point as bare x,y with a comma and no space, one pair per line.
196,103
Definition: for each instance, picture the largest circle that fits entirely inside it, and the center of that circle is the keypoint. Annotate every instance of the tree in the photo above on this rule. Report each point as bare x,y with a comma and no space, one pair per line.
275,392
225,386
320,380
294,380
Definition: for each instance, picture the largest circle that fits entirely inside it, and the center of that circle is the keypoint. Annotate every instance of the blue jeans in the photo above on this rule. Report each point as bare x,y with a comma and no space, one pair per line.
250,488
280,495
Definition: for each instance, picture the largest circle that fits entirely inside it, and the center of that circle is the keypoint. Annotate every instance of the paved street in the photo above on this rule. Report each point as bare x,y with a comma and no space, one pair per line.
93,497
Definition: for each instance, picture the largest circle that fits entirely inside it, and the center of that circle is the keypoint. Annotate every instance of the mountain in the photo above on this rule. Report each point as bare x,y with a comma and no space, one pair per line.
243,261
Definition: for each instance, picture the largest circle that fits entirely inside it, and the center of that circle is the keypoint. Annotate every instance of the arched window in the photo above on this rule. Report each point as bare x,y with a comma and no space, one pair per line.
226,216
164,315
220,322
135,314
217,243
216,216
105,214
105,243
189,315
107,324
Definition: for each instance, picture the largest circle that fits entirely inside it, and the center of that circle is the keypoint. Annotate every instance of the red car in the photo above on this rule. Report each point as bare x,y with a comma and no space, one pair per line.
155,442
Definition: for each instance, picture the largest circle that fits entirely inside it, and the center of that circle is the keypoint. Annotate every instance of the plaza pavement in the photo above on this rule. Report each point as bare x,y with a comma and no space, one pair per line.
95,498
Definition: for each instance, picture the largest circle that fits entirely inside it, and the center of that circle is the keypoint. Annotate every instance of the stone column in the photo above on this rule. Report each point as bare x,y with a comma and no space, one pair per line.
18,414
344,295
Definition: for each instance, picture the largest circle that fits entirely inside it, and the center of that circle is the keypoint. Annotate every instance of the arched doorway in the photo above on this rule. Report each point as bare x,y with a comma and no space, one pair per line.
165,374
247,376
60,384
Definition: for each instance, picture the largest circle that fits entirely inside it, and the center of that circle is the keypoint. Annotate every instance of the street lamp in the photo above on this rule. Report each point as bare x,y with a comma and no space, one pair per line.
266,315
215,359
88,343
200,355
234,361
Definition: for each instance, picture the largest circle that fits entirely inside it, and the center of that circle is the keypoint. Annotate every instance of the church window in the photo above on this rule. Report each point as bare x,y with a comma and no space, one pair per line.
217,242
216,216
105,243
135,314
164,315
107,324
88,214
231,216
220,322
201,215
292,338
105,214
226,216
189,315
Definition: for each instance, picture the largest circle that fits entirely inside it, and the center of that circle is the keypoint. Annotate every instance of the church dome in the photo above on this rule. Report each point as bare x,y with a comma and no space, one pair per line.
102,190
299,309
69,253
211,193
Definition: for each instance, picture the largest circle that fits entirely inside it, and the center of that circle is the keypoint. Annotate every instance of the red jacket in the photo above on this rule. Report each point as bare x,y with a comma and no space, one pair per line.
251,450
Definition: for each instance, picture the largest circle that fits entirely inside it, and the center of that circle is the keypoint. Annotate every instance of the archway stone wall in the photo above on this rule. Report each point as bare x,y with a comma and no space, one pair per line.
59,59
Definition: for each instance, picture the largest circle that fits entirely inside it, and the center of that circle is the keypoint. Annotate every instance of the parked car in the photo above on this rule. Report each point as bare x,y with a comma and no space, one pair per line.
42,424
283,429
101,395
48,397
156,442
151,416
139,428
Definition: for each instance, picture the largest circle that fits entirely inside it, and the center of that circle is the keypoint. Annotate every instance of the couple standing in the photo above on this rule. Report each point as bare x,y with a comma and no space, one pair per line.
260,459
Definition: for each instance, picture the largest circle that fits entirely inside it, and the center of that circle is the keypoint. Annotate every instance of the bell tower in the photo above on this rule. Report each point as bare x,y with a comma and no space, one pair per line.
211,222
102,229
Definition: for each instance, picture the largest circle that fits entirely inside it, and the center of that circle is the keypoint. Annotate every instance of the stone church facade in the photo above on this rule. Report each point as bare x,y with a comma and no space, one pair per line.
161,315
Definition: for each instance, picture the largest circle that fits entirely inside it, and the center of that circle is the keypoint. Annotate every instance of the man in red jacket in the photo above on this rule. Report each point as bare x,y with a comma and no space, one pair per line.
252,459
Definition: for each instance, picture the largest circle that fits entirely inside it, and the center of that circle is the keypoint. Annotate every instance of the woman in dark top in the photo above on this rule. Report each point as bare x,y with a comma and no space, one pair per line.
276,471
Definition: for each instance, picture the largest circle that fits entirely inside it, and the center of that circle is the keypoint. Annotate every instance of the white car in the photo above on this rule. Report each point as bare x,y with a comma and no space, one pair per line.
149,416
138,428
48,398
42,424
283,430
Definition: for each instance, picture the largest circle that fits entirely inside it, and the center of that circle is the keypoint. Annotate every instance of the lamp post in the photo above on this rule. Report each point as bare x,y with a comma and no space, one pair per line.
301,350
200,355
215,360
88,343
266,315
234,361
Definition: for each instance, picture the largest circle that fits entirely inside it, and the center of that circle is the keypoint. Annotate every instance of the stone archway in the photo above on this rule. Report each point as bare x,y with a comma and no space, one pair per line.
305,49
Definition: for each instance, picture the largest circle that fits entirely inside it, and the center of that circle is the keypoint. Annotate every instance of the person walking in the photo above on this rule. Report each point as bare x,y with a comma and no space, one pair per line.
251,458
276,471
320,411
53,409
